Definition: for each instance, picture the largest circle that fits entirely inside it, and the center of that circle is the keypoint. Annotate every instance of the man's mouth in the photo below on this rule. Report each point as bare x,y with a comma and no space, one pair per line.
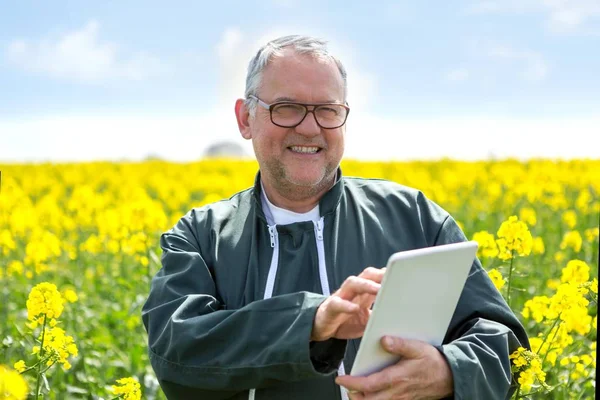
305,149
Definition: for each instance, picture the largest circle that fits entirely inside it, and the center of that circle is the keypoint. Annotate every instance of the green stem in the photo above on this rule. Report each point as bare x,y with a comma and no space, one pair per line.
39,369
512,257
517,392
47,368
34,366
530,394
546,338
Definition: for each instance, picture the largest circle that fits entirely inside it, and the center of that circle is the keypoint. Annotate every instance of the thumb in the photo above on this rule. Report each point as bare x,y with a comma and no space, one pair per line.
402,347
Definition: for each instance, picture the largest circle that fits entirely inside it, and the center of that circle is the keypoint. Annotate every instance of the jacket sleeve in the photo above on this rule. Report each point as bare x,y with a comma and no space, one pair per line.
195,343
482,334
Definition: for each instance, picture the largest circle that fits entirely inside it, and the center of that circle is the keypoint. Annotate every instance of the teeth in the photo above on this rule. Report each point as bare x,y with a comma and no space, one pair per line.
301,149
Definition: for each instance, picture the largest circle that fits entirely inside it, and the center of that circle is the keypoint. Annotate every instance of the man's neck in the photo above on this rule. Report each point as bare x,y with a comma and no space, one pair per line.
299,201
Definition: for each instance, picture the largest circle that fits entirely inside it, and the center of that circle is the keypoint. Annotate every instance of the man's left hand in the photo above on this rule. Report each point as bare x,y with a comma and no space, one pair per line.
422,373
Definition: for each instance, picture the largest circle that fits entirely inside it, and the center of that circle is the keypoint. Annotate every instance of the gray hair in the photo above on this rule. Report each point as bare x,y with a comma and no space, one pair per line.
301,45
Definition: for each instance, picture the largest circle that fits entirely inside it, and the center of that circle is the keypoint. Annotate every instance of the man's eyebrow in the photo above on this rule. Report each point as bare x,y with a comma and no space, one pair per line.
292,100
284,98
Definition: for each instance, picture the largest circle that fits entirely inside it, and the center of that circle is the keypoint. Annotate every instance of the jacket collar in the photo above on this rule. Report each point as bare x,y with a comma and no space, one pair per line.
327,204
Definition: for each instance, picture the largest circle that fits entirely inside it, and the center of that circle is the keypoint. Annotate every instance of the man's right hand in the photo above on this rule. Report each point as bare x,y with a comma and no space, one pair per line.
344,314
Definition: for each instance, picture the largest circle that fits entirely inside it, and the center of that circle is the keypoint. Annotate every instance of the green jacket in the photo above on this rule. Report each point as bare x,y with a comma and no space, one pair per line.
232,307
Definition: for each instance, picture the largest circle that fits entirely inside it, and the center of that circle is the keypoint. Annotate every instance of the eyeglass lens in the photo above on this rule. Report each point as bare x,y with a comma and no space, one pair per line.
328,116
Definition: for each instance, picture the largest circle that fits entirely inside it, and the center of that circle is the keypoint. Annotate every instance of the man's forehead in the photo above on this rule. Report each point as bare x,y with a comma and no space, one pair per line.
302,72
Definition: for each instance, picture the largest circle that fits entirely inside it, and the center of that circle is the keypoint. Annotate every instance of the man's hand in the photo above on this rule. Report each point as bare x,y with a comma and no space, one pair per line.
422,373
344,314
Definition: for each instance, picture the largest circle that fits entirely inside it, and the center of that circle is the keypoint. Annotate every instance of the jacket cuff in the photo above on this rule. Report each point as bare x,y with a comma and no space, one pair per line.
326,356
453,370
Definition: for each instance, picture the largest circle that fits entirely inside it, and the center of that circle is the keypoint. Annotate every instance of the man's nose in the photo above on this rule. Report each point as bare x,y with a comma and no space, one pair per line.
309,126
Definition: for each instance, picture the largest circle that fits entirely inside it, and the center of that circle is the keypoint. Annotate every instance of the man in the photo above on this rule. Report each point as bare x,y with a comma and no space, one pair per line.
241,307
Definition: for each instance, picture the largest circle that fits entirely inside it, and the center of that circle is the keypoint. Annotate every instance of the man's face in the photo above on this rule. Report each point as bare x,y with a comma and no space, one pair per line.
279,151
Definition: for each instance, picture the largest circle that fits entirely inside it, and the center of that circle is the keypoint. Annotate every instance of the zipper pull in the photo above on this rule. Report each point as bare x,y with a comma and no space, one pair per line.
272,234
320,229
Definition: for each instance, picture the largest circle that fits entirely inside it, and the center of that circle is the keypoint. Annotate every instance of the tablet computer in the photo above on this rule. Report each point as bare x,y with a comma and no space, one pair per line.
418,296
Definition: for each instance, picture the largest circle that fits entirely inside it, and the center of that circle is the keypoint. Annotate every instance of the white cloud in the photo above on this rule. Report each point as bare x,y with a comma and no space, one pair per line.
562,16
85,137
82,56
473,138
535,67
458,75
184,138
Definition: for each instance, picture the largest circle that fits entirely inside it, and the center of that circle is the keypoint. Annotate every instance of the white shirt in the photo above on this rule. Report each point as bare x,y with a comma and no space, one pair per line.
281,216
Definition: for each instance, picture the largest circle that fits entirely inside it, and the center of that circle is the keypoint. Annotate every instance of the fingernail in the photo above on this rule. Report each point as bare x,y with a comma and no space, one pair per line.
388,342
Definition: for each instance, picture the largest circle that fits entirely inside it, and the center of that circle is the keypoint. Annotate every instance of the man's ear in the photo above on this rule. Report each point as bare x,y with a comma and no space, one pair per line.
242,115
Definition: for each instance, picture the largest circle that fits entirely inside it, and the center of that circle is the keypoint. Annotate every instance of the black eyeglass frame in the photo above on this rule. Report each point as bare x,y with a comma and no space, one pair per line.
305,105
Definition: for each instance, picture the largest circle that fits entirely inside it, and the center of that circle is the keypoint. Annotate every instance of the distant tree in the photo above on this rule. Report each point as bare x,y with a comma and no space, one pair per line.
153,157
225,149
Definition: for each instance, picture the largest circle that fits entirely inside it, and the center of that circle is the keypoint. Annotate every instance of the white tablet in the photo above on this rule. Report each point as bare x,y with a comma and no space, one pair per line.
417,298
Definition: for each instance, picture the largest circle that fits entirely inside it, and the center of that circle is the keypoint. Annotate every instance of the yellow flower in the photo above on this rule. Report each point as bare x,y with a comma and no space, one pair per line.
496,278
528,216
536,308
7,242
576,271
569,218
70,295
591,234
528,366
526,379
564,361
15,268
20,366
128,389
538,246
44,299
586,359
487,244
514,236
594,285
518,357
12,385
573,240
59,347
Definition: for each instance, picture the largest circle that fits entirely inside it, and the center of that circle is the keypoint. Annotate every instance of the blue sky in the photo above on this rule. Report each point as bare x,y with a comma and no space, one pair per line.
464,79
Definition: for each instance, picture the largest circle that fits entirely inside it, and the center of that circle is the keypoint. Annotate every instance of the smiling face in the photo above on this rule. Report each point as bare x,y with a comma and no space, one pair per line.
296,163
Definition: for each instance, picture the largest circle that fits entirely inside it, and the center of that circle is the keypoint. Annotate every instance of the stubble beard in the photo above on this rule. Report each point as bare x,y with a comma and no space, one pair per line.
285,184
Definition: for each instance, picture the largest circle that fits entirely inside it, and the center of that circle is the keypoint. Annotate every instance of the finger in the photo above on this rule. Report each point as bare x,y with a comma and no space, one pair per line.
387,394
354,286
337,305
372,273
356,395
353,383
376,382
365,300
406,348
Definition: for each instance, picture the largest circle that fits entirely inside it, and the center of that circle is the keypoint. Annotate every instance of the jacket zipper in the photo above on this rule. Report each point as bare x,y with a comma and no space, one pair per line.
322,276
270,277
325,282
274,261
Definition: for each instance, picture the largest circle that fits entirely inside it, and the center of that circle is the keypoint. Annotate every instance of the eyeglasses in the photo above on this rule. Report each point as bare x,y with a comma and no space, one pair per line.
287,114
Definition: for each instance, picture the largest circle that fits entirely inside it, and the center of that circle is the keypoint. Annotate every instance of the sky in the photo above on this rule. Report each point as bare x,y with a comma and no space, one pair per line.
472,79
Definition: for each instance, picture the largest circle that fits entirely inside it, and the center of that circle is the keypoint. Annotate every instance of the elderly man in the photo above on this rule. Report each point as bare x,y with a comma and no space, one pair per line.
266,295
